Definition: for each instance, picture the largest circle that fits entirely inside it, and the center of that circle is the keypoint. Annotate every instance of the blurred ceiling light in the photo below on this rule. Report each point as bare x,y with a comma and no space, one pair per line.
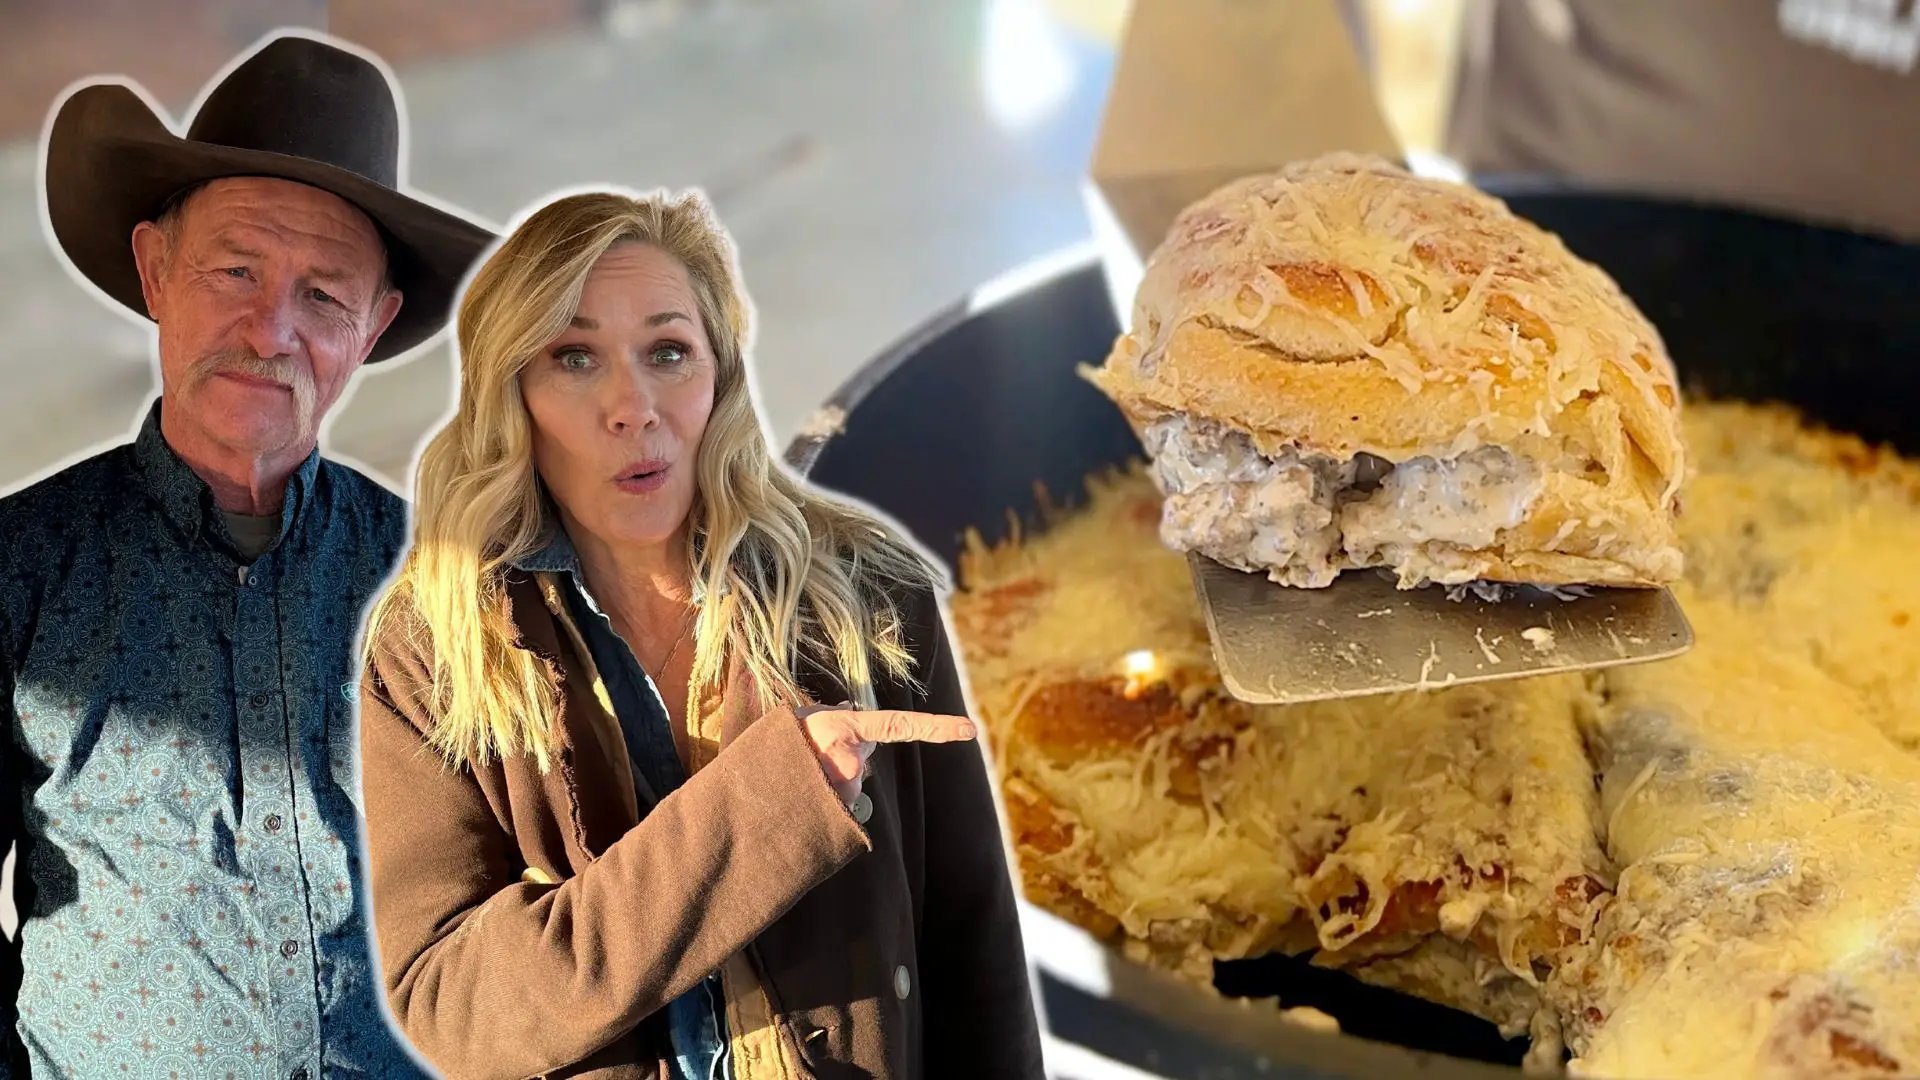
1407,10
1024,69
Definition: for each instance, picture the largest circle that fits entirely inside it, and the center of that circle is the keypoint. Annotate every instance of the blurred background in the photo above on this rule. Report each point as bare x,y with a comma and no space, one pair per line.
857,213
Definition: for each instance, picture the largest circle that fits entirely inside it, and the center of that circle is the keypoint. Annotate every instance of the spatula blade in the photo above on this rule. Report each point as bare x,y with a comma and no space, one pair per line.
1361,635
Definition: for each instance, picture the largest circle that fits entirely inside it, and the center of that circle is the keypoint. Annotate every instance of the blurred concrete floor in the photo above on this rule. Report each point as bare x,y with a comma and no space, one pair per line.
852,147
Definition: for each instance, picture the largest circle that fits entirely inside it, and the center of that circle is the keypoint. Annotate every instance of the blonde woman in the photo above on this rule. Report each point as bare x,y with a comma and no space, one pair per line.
611,828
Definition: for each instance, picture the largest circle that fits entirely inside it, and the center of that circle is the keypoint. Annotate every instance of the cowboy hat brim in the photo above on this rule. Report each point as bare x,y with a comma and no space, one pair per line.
112,163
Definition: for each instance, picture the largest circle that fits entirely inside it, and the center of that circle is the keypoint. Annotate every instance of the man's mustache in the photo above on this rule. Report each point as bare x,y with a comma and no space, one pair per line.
284,370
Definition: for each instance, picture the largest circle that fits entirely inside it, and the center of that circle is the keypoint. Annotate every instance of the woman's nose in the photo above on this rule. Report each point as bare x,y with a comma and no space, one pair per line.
633,403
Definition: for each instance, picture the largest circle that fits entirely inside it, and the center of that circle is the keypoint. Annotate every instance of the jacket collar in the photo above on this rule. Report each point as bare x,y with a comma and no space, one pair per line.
539,623
187,501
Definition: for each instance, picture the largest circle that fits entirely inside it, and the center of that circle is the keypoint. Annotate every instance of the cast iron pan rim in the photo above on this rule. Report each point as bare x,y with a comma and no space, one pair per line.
805,449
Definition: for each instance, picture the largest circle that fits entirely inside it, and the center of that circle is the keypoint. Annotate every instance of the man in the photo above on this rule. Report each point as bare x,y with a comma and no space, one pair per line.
1806,108
178,615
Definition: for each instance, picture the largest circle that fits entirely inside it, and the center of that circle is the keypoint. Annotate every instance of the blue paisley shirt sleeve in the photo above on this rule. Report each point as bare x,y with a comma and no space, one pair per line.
12,1055
180,762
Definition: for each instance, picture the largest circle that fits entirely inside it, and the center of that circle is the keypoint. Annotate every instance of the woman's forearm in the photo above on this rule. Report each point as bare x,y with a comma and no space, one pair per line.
490,975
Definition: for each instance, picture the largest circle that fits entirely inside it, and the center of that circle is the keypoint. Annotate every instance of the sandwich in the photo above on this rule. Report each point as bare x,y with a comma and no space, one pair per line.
1343,366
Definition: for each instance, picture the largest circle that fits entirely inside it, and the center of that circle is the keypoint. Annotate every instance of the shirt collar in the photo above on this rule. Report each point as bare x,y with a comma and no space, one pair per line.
555,556
186,499
558,555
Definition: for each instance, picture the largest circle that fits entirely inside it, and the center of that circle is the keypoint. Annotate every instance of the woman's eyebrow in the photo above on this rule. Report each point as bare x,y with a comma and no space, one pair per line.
664,317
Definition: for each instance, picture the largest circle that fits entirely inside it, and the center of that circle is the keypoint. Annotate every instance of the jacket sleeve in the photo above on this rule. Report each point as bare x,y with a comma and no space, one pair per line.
978,1005
491,976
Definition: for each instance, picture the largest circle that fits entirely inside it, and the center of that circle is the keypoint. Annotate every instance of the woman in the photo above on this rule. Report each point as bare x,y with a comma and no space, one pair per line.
611,830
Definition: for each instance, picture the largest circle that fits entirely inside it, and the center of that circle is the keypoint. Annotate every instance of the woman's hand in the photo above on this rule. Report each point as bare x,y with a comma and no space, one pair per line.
844,738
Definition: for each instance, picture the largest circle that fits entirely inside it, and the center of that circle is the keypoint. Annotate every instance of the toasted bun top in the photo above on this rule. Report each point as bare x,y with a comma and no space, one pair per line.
1345,305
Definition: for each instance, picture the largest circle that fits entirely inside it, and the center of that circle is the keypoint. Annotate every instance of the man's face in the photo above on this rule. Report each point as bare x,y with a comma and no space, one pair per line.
268,296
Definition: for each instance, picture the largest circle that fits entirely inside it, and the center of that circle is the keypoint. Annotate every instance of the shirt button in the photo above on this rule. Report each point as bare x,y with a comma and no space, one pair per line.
902,982
862,808
273,823
259,701
290,946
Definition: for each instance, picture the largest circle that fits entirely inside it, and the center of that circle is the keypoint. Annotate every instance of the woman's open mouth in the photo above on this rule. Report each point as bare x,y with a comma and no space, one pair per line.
641,477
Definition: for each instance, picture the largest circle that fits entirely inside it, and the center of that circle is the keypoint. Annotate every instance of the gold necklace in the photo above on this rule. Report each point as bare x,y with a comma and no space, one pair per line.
686,626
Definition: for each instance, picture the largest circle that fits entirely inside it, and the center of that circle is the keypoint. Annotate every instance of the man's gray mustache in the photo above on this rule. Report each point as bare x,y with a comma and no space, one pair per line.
284,370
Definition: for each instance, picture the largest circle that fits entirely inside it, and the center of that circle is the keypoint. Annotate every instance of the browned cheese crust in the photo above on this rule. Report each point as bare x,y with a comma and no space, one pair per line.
1344,307
1738,894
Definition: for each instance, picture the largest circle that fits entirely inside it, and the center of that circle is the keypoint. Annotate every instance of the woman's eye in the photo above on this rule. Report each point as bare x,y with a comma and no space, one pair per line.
669,353
573,360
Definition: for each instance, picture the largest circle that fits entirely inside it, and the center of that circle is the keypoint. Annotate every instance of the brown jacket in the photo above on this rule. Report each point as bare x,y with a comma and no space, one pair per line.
532,924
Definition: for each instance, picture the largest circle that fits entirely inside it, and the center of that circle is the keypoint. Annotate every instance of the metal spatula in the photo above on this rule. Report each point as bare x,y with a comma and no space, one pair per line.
1209,90
1361,635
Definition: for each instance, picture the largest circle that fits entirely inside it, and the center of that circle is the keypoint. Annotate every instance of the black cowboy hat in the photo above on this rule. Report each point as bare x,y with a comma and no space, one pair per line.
297,108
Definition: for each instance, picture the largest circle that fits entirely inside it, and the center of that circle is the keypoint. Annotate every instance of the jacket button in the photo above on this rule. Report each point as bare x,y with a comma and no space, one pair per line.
902,982
862,808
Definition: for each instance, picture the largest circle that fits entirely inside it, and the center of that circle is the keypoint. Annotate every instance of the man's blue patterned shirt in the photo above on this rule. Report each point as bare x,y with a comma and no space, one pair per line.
178,770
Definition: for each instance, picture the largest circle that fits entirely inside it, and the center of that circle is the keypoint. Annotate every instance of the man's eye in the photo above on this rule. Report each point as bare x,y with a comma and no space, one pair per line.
235,271
323,296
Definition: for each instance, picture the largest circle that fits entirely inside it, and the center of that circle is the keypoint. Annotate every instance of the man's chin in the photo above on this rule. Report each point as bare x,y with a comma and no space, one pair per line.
261,431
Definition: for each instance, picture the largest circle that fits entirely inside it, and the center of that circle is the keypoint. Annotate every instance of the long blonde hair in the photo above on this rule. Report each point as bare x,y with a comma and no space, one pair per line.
783,576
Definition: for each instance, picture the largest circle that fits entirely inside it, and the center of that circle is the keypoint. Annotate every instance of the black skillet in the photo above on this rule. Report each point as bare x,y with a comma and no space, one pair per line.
952,427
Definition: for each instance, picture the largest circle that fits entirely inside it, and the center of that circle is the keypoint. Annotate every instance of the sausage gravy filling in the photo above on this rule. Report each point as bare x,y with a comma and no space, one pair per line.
1302,518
